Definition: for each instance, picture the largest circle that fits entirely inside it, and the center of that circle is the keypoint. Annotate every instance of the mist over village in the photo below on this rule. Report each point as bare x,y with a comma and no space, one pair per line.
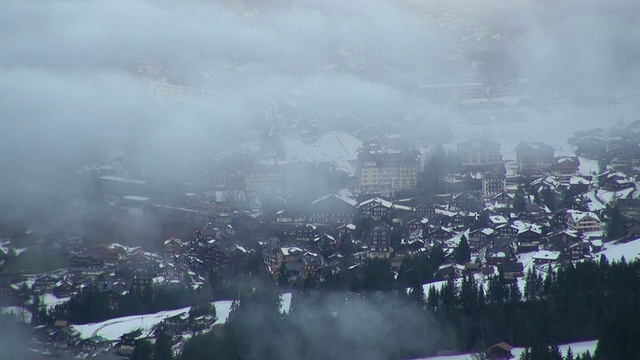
283,179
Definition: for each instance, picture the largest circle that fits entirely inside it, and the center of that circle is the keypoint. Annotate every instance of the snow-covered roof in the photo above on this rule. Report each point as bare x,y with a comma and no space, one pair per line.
577,216
347,200
377,200
546,255
498,219
578,180
288,250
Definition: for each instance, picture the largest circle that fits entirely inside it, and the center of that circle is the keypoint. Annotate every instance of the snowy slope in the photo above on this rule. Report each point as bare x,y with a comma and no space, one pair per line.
614,252
329,147
577,348
112,329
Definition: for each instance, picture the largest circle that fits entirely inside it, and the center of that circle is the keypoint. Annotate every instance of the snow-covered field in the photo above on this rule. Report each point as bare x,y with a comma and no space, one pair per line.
112,329
615,252
577,348
50,301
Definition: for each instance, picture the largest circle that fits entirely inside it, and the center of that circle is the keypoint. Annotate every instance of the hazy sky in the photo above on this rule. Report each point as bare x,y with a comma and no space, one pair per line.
68,85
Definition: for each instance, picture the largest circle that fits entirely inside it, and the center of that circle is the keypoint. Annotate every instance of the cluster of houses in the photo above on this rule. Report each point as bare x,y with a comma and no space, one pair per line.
487,220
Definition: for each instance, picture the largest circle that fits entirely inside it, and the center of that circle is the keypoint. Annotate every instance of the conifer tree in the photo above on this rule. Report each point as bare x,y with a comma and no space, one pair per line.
463,252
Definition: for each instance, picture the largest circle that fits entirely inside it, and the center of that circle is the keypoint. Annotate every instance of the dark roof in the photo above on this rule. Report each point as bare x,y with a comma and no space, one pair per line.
502,345
510,267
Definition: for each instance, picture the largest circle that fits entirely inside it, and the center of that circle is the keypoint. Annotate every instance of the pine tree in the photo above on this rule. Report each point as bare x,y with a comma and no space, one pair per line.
417,295
463,252
569,355
162,348
142,351
433,300
519,202
616,226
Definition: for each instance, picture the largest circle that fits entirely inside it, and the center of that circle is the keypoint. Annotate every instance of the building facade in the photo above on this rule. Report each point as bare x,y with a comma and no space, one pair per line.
383,171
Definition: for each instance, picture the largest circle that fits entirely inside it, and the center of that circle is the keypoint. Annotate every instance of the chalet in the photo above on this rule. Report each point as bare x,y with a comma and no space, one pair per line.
310,263
449,271
565,165
288,254
593,146
480,237
507,230
346,231
227,255
546,257
127,343
511,270
500,250
303,232
529,238
45,283
85,261
412,243
332,209
324,240
579,251
532,157
176,322
445,217
142,277
116,291
62,334
63,288
460,219
502,198
582,221
439,233
380,242
614,181
95,344
424,210
466,201
417,224
172,247
208,233
580,184
499,351
375,208
171,272
108,255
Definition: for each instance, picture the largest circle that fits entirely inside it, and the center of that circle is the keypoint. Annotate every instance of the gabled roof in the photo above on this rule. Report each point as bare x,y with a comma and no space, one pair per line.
502,345
577,216
344,199
377,200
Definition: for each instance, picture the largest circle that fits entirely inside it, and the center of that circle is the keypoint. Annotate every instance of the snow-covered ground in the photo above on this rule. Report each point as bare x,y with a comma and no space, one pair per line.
614,252
329,147
588,167
112,329
50,301
577,348
18,312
